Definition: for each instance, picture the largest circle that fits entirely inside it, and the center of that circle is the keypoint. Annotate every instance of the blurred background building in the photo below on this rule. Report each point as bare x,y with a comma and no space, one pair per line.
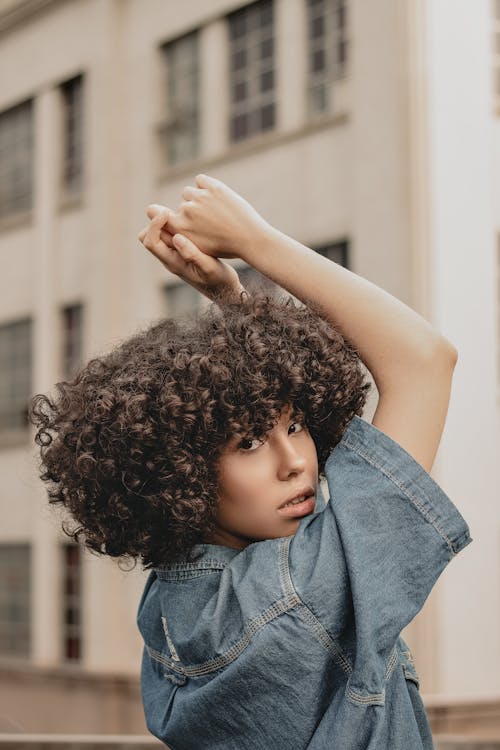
368,130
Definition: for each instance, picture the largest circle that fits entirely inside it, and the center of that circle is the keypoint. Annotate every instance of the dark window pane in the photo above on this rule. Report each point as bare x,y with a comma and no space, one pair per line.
341,17
182,300
267,80
15,599
239,59
15,374
337,251
71,601
16,159
72,93
318,26
239,126
267,114
239,91
72,339
251,111
266,48
342,52
238,25
181,58
72,650
318,60
266,13
318,97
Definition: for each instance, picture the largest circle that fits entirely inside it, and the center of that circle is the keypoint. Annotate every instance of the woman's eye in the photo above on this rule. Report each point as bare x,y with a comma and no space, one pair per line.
301,425
246,444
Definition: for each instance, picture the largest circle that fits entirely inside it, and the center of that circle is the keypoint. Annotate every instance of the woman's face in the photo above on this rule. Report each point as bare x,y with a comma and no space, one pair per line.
257,478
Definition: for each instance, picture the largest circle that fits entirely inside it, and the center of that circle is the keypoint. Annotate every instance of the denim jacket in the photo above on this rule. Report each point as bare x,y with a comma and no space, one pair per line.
295,642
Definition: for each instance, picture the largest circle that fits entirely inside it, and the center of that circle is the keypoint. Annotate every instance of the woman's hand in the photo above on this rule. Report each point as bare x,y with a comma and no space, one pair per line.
209,275
219,221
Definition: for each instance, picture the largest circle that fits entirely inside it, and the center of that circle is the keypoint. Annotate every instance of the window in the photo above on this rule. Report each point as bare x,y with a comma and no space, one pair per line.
15,593
327,51
72,602
16,159
251,68
337,251
181,300
253,280
180,131
72,318
15,376
72,157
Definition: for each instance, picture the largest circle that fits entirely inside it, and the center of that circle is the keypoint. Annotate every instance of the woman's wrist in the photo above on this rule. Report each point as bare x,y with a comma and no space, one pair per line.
251,248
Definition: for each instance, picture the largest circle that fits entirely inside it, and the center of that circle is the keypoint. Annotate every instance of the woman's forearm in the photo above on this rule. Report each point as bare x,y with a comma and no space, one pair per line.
390,337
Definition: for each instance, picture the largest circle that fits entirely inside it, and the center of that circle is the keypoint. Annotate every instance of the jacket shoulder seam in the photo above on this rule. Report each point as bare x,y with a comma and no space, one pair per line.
415,501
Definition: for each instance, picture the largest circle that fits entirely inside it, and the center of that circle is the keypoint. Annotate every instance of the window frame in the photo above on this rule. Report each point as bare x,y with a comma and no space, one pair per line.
10,548
16,145
13,434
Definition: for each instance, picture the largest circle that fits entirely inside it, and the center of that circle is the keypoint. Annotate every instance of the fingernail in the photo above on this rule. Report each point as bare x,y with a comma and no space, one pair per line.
179,240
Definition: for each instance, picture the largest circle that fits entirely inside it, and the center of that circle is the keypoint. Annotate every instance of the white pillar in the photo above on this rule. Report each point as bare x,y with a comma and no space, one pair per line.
46,593
214,88
459,68
290,63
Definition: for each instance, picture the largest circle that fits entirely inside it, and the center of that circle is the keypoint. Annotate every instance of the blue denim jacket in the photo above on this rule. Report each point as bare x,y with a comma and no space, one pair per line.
295,642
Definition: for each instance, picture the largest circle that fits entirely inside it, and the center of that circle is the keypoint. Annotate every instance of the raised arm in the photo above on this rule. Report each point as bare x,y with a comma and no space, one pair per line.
411,362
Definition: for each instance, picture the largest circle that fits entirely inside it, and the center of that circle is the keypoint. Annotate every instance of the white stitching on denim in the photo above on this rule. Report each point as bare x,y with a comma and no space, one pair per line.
212,665
324,637
157,656
393,659
303,610
406,491
365,699
170,643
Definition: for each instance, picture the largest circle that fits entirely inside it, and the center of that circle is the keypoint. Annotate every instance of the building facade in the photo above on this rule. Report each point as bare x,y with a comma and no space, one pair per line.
370,132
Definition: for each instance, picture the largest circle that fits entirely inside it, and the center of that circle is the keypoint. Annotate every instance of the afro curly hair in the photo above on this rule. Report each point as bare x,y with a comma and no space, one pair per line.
130,445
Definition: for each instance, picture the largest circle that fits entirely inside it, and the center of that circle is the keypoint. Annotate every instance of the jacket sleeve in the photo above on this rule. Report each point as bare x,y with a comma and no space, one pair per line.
376,551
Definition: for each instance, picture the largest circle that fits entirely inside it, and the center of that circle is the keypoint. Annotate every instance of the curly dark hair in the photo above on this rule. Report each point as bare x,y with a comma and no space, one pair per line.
130,445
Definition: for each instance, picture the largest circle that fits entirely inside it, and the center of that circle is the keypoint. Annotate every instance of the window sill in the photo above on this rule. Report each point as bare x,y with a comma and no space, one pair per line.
15,221
256,144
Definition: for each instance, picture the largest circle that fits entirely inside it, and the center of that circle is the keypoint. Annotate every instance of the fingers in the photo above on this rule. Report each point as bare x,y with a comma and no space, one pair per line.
204,181
190,193
151,235
154,209
191,253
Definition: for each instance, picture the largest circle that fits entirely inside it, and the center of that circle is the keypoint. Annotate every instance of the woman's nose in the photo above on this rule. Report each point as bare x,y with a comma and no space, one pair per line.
290,458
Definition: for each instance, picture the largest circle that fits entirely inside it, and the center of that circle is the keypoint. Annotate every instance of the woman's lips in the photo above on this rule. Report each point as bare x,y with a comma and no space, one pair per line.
301,509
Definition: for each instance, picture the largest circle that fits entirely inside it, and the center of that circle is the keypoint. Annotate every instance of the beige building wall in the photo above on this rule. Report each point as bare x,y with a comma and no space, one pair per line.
391,170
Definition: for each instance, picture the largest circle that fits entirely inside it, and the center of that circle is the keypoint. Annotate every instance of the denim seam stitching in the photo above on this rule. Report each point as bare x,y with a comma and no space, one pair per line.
212,665
304,611
406,491
376,697
184,566
365,699
393,659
